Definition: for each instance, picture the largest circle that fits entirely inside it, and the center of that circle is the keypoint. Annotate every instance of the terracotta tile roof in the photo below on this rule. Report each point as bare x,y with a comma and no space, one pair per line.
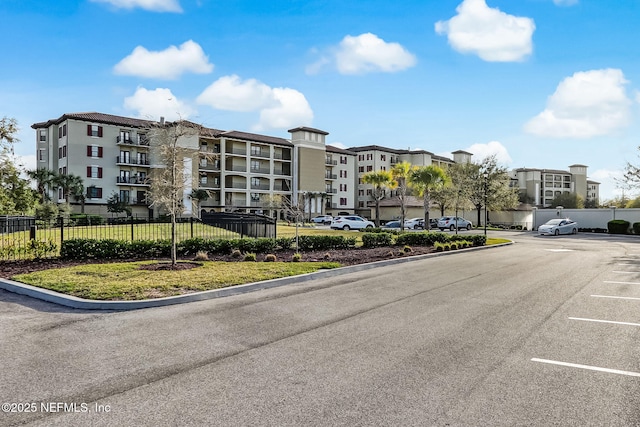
307,129
245,136
332,149
389,150
97,118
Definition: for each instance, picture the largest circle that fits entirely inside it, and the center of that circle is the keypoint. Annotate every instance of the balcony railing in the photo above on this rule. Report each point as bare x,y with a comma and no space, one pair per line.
209,166
132,141
332,190
330,162
281,172
240,151
331,205
236,185
132,161
330,176
262,154
282,156
260,170
237,168
259,186
132,180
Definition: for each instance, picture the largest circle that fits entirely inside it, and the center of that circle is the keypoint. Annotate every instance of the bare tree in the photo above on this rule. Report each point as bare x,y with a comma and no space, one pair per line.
174,152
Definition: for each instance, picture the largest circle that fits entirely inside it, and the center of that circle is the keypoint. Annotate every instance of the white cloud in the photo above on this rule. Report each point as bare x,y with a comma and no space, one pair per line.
151,5
232,94
366,53
278,107
482,151
587,104
292,109
565,2
165,64
488,32
160,102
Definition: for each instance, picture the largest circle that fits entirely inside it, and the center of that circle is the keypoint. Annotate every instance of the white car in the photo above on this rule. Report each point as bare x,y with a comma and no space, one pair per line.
322,219
453,222
559,226
414,223
351,222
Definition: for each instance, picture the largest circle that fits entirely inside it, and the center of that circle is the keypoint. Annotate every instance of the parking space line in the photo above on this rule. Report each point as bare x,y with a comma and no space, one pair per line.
588,367
605,321
626,272
610,296
621,283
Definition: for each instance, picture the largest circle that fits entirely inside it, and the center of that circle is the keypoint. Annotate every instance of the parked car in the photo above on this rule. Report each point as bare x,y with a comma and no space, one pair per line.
322,219
414,223
351,222
392,224
559,226
453,222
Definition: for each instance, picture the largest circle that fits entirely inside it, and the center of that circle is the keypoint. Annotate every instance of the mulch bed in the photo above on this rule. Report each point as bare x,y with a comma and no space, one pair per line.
345,257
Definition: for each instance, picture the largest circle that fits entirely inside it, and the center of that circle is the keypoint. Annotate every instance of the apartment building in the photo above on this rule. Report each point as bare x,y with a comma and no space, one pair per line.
377,158
241,171
541,186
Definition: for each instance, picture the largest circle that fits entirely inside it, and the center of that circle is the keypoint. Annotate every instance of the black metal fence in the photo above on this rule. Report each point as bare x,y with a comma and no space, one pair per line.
28,238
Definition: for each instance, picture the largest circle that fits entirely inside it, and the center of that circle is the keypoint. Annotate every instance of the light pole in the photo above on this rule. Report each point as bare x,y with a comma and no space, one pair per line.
486,178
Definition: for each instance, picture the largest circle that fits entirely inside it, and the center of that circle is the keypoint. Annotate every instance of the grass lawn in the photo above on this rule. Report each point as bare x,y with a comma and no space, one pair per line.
125,281
496,241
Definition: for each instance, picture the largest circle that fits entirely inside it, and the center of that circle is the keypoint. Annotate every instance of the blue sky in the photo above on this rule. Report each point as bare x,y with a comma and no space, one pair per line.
540,83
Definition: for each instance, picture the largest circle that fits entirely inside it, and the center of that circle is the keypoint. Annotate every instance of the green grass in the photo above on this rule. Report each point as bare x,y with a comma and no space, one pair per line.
125,281
496,241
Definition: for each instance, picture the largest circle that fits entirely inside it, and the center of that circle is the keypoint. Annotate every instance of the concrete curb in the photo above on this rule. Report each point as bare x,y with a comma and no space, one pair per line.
85,304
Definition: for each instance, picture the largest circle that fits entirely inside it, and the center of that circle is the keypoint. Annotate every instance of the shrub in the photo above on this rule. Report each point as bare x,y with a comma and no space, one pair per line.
618,226
327,256
201,256
78,249
250,256
372,240
236,253
310,243
296,257
447,246
270,258
407,249
85,219
453,245
421,239
438,246
636,228
285,243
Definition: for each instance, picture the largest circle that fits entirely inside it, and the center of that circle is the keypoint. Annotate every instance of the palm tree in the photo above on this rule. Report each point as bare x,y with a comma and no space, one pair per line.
425,180
71,185
199,196
43,178
380,180
401,173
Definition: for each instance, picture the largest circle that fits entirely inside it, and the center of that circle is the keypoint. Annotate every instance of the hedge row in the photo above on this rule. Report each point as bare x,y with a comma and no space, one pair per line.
370,240
78,249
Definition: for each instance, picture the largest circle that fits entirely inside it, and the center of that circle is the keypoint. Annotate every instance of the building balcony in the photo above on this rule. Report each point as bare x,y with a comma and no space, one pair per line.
330,176
281,172
260,170
139,141
209,185
209,167
236,151
133,180
330,162
238,185
331,206
282,156
260,186
331,190
237,168
261,154
133,162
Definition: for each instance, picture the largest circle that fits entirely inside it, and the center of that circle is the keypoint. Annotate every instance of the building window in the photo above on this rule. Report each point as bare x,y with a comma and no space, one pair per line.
383,157
94,172
64,129
64,151
361,169
255,165
255,182
203,179
255,197
94,130
369,168
59,152
343,201
124,196
43,135
256,150
369,192
41,153
64,170
94,151
361,204
343,160
360,192
60,193
94,193
59,132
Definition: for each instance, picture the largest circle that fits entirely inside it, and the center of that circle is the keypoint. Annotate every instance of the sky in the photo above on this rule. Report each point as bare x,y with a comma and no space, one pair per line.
538,83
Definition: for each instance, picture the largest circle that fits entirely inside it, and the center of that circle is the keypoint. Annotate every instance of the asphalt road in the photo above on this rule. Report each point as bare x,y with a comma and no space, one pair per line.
518,335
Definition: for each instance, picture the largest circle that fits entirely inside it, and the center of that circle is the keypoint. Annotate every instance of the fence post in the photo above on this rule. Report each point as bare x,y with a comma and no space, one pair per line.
61,218
191,220
132,228
32,232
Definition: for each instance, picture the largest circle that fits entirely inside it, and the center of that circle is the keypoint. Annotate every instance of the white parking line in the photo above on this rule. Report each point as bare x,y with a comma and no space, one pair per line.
622,283
591,368
609,296
605,321
626,272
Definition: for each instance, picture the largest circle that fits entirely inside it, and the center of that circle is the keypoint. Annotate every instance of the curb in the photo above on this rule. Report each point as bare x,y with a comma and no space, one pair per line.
86,304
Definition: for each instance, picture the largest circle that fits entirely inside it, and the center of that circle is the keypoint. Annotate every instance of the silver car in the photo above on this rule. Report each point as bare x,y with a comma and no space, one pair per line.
351,222
559,226
453,222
